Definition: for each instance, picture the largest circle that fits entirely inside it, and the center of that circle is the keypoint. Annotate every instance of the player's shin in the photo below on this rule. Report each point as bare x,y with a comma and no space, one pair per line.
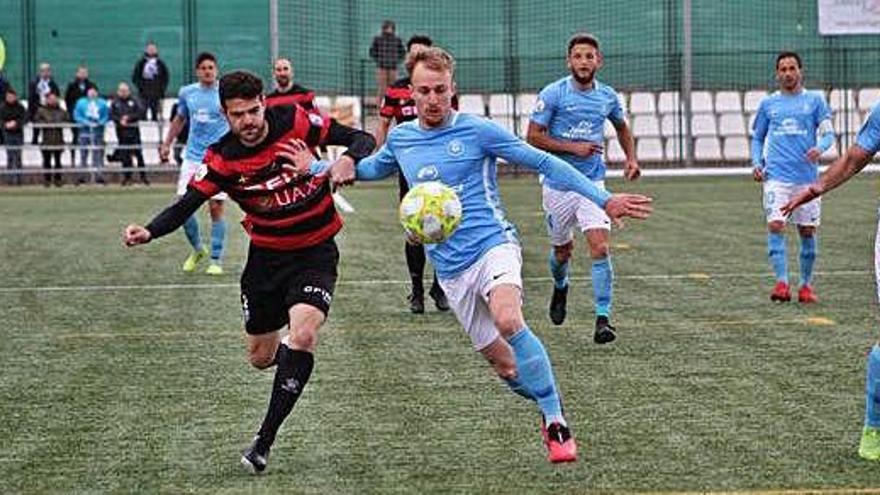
872,389
291,375
559,271
603,285
191,229
808,258
535,374
776,252
218,238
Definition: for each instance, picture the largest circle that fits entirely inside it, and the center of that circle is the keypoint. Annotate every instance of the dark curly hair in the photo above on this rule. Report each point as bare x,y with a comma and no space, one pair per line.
240,84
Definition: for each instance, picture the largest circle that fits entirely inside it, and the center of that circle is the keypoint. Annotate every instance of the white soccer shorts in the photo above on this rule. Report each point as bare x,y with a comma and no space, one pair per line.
776,194
565,210
468,293
188,169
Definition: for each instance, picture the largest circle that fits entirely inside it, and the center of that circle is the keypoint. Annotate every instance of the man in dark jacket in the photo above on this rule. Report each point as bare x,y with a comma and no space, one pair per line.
12,119
126,111
150,76
387,51
77,89
38,89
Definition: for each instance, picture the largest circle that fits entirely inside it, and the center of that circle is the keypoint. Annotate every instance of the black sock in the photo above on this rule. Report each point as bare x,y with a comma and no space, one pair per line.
415,262
435,286
291,376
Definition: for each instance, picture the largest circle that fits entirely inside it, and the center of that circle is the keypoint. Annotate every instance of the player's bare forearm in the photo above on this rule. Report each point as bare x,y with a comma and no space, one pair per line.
537,136
627,143
851,163
174,130
176,215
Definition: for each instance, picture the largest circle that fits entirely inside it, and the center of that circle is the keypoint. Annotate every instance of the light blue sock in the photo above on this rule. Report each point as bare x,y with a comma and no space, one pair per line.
776,251
559,271
603,280
191,229
872,389
808,258
218,235
535,374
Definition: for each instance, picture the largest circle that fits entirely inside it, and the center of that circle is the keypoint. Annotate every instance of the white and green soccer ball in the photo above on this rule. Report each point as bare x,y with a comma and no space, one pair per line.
430,212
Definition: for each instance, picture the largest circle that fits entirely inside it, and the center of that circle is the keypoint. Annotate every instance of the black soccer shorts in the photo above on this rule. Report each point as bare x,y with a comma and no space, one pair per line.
273,281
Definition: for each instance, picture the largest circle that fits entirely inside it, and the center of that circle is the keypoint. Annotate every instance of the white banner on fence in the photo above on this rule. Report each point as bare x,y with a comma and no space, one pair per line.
849,17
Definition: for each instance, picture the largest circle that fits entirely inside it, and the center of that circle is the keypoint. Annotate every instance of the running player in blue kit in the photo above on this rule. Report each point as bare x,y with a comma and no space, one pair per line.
479,265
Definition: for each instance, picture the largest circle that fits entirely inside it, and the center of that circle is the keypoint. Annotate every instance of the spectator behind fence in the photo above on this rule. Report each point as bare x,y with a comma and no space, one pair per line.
91,113
150,76
180,141
126,111
38,90
387,51
12,118
76,90
54,117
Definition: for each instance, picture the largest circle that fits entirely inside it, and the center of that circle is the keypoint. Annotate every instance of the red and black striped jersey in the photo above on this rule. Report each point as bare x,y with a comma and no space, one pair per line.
297,94
398,103
282,211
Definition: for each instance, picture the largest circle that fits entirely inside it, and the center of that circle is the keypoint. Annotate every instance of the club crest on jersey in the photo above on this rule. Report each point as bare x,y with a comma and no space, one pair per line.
316,119
428,172
539,106
202,172
455,148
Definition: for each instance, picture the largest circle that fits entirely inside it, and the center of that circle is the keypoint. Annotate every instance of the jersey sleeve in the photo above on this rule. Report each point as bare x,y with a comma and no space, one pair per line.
207,180
822,112
545,107
499,142
182,109
617,114
868,137
379,165
312,127
759,132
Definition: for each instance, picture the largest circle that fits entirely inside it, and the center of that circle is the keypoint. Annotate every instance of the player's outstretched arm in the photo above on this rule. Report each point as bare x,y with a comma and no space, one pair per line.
174,130
851,163
166,222
359,143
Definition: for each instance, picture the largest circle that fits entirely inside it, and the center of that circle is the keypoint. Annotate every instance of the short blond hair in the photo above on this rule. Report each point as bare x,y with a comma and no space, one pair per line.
434,57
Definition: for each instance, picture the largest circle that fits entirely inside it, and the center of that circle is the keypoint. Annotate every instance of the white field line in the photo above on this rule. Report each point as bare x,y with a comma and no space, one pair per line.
696,276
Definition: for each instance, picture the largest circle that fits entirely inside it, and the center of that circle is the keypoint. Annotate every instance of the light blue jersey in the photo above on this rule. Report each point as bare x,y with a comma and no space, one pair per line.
462,154
207,124
784,130
869,135
573,115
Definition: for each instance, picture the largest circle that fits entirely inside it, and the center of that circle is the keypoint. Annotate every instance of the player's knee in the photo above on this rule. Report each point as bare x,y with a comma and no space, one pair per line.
508,322
563,253
806,230
304,339
261,359
599,250
776,226
505,370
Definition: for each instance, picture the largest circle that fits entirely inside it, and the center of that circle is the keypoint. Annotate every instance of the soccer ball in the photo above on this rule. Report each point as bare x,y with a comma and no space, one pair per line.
430,212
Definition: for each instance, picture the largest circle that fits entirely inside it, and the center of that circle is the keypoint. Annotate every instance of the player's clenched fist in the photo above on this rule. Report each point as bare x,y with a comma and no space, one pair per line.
135,234
628,205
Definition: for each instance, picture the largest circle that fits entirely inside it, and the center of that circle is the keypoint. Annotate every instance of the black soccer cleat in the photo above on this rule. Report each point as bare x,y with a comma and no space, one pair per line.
557,305
604,331
255,457
416,303
439,298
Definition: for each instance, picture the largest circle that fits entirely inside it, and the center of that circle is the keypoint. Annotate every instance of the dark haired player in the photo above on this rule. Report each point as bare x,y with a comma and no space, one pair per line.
291,220
569,121
398,107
